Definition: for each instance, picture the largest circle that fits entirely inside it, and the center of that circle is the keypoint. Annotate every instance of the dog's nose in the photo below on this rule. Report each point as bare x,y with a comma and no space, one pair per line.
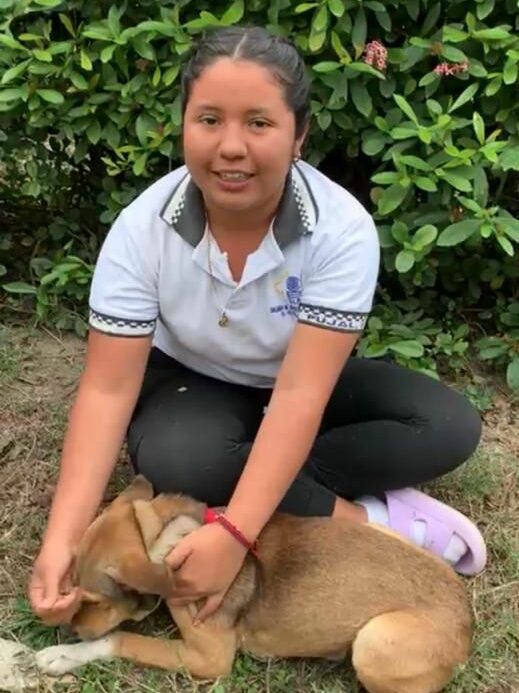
67,631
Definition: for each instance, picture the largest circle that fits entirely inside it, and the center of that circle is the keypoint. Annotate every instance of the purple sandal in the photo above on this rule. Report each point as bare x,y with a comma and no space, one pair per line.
407,505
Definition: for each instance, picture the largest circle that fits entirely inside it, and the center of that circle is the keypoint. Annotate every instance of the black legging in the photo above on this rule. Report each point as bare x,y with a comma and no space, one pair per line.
385,427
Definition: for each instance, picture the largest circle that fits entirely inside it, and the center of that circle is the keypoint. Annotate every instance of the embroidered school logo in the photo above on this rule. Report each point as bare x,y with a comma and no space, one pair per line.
293,291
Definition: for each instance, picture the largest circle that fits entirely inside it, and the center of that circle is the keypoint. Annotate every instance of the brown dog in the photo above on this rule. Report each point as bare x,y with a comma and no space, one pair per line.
321,588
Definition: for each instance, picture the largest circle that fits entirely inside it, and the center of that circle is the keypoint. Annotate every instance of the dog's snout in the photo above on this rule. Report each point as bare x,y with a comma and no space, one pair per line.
67,631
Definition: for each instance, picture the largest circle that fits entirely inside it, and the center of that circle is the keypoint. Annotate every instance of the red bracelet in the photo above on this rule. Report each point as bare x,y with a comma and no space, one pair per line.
212,516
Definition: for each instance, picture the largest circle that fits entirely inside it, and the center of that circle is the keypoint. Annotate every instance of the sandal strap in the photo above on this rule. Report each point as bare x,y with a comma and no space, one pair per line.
401,518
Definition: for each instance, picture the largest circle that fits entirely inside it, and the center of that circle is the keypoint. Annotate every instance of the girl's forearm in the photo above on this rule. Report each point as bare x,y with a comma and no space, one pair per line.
281,447
97,424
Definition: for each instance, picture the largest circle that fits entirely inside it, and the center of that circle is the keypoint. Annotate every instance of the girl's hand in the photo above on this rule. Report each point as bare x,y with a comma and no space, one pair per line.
52,596
206,563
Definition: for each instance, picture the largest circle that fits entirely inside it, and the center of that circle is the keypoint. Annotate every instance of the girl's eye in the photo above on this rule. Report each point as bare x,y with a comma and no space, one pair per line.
208,120
259,124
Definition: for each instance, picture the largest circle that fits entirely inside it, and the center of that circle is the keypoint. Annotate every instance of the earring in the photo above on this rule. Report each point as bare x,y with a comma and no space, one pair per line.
296,158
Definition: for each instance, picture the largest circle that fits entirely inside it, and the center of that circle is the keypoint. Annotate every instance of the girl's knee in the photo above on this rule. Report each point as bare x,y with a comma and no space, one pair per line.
457,426
207,470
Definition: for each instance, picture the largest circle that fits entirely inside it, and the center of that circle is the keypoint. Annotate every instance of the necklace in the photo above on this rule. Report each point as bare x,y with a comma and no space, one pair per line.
223,320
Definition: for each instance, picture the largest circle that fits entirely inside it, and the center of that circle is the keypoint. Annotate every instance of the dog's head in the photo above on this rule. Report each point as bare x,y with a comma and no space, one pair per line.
119,567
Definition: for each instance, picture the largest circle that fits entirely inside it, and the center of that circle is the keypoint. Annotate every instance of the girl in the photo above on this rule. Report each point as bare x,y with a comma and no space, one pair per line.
225,305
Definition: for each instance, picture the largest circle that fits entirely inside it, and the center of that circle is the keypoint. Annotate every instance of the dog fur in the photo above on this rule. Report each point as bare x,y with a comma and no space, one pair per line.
321,587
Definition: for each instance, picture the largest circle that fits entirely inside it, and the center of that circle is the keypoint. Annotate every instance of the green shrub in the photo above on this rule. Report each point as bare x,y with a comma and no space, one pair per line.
415,111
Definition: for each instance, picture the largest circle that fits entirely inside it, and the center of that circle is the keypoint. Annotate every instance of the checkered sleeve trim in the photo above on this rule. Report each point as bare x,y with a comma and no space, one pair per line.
122,327
332,319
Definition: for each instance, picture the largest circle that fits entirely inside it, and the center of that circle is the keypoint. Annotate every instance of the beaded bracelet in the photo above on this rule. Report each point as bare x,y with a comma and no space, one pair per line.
212,516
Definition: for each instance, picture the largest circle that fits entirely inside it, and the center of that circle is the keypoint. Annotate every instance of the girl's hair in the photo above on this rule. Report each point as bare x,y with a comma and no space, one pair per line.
258,45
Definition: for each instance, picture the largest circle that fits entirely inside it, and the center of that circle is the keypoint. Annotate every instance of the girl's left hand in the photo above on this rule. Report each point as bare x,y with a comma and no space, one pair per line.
205,564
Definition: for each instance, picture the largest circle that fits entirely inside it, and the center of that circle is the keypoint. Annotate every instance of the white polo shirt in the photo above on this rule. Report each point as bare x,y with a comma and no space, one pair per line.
156,275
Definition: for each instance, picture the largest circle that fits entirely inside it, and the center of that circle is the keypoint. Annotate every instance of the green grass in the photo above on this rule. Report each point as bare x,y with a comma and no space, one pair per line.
37,376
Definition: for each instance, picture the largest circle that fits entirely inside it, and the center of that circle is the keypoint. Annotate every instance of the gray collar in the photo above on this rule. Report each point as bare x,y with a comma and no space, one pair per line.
296,216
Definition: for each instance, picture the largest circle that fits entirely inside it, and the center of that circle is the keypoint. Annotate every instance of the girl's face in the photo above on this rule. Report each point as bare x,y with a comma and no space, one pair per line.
239,136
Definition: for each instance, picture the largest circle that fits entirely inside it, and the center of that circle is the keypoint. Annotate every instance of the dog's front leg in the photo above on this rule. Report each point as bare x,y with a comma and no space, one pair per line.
208,656
60,659
205,651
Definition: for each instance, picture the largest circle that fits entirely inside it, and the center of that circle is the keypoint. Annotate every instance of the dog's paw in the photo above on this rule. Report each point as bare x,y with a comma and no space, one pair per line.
61,659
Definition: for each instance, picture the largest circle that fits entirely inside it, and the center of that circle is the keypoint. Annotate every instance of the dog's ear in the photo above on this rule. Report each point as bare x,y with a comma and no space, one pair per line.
160,538
143,576
140,488
149,523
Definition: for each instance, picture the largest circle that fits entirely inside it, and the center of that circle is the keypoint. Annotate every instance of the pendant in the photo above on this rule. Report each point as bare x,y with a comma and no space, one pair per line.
223,320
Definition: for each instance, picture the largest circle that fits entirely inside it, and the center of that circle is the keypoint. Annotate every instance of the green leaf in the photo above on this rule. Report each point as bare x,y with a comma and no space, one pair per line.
11,94
11,42
466,95
506,245
373,143
408,347
233,14
51,95
428,78
403,133
414,162
360,31
305,6
457,233
361,98
386,177
366,69
336,7
93,132
48,3
338,47
85,61
43,56
391,198
405,107
453,35
484,8
404,261
320,20
479,127
512,374
427,184
511,229
107,53
496,34
65,20
384,20
170,75
19,288
509,159
324,119
316,40
431,19
510,72
15,71
454,55
143,47
326,66
140,164
480,186
457,181
425,236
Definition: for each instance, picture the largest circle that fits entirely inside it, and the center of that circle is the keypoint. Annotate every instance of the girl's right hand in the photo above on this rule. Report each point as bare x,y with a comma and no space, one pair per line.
51,593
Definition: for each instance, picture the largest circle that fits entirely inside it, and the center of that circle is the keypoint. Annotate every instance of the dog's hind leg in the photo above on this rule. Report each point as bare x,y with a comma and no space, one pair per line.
409,651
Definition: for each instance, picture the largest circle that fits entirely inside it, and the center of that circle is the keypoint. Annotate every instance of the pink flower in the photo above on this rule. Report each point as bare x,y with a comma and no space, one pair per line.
375,54
451,68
